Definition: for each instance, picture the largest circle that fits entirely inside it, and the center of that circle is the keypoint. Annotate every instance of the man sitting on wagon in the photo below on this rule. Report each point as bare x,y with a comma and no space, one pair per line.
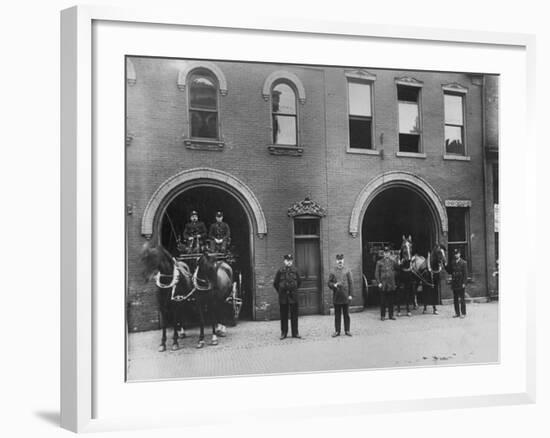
194,234
219,234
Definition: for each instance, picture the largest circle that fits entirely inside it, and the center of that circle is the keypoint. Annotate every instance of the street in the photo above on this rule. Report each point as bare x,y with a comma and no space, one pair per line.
253,347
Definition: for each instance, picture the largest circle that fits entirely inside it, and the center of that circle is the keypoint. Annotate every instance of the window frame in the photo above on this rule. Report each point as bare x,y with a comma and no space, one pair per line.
296,115
456,90
212,76
462,127
370,82
415,84
362,76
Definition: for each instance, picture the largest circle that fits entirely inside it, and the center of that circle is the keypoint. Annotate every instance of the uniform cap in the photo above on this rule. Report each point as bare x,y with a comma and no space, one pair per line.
386,248
288,257
219,214
339,256
194,213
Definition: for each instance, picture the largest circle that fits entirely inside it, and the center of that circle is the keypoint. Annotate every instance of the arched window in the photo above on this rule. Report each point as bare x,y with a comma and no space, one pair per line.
283,104
203,104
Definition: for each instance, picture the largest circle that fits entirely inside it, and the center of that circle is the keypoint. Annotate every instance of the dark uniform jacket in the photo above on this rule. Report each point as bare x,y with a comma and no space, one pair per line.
342,292
193,229
384,272
219,230
286,283
459,273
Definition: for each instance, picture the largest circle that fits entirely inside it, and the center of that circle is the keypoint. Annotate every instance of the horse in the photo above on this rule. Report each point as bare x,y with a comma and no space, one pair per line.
405,278
174,286
432,294
213,280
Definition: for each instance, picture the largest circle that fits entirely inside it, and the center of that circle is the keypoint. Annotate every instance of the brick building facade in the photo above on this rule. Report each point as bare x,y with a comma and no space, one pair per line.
309,160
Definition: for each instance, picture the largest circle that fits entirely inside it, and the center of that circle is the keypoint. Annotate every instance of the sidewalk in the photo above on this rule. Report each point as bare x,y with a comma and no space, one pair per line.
253,347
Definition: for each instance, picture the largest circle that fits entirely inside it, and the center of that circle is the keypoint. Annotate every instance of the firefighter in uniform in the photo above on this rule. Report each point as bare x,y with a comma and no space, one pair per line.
384,272
286,283
219,234
194,234
458,269
341,283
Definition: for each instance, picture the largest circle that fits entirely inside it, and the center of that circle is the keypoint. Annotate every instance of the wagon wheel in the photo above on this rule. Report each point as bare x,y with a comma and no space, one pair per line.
237,297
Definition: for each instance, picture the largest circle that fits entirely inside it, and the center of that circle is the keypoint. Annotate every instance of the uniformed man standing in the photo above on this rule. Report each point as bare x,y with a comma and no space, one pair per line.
286,283
341,283
384,272
219,234
194,234
459,274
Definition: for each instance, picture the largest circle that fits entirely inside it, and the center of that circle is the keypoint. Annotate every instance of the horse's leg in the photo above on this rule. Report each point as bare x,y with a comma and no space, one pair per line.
163,310
177,320
162,346
409,294
398,295
200,306
181,321
213,310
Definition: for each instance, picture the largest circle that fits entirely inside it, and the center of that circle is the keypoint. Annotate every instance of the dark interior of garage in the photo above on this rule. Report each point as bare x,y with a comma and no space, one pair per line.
207,201
391,214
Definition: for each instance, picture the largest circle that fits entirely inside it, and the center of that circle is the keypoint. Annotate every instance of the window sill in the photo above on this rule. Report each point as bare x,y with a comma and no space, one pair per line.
363,151
410,154
203,144
279,149
452,157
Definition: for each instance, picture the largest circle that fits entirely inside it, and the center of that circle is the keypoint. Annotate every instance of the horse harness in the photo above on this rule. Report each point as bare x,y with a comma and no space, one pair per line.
175,280
422,279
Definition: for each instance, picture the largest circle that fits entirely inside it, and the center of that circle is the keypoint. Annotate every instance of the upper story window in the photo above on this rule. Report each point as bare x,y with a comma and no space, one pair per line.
203,105
360,114
454,124
410,125
285,122
454,105
283,91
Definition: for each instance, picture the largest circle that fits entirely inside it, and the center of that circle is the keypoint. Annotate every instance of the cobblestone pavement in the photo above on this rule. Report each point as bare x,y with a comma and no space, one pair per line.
253,347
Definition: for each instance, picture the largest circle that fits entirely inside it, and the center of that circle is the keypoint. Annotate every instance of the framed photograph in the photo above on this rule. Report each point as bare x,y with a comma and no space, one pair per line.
254,205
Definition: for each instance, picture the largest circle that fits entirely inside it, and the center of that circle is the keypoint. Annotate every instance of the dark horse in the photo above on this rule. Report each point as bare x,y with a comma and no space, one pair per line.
431,288
174,286
213,280
405,278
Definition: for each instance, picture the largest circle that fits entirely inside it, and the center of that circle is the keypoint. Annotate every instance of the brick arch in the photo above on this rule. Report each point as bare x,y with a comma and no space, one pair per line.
287,76
398,179
183,74
186,179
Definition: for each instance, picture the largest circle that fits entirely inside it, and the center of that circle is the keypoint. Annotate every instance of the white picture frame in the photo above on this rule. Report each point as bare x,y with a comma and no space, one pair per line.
83,381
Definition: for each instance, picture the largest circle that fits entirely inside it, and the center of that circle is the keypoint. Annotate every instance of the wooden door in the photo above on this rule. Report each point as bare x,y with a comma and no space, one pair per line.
308,263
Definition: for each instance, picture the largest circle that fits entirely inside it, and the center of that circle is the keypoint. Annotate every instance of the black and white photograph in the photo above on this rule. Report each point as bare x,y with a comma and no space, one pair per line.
285,218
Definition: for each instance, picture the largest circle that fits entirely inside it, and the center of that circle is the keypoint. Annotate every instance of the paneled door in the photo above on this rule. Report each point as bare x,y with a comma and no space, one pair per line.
308,263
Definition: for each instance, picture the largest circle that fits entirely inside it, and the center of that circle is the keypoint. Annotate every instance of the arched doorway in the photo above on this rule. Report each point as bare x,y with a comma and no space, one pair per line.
395,212
207,200
390,205
209,190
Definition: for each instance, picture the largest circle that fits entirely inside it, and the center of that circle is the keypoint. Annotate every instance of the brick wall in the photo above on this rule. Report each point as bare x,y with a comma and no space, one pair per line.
157,121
